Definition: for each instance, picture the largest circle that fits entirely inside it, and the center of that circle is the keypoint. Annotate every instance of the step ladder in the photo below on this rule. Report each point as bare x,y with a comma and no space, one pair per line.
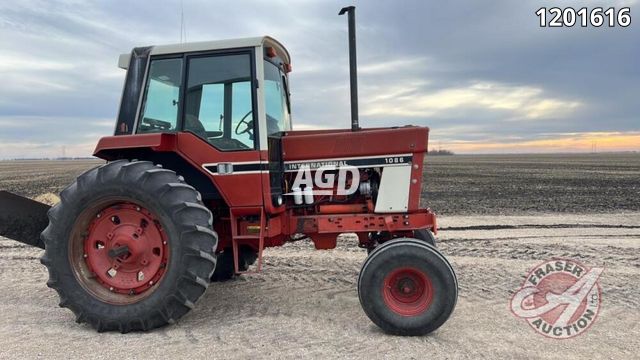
237,240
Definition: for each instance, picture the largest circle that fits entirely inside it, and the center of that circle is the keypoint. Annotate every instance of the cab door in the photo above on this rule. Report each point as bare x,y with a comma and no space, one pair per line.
214,115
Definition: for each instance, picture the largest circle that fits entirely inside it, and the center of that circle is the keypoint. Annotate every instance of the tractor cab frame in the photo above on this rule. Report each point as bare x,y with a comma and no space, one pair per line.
183,84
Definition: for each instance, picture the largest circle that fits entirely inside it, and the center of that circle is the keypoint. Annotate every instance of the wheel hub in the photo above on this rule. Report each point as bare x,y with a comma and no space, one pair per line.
126,249
407,291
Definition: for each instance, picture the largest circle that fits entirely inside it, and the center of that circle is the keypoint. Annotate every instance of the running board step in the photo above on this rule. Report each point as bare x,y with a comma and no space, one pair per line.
237,240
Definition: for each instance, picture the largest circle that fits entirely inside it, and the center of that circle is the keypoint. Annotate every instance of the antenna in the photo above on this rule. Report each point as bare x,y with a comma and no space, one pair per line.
183,27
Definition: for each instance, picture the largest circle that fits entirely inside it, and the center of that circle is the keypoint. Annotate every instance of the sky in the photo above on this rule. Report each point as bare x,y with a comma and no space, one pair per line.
482,75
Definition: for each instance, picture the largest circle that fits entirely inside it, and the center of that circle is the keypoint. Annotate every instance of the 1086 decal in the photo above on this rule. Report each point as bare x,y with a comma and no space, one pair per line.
596,17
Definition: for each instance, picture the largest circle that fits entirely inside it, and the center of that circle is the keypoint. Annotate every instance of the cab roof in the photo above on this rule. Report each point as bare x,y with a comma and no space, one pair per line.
123,61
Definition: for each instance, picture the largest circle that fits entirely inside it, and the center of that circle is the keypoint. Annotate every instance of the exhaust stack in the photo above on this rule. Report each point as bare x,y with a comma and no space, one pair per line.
353,66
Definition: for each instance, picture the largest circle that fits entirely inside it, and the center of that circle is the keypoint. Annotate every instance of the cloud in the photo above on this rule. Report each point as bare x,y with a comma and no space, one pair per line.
519,102
383,67
551,143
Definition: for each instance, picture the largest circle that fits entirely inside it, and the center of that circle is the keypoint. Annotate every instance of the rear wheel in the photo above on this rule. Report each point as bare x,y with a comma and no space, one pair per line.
129,247
225,269
407,287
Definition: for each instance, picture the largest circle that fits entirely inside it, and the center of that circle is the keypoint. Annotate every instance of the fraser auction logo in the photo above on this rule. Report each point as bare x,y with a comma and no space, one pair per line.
559,298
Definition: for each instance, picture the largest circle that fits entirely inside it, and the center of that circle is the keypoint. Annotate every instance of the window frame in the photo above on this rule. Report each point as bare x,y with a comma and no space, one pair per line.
285,82
145,89
186,57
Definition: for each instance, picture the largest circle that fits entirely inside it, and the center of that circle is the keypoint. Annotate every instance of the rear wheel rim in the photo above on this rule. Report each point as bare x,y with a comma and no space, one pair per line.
407,291
119,252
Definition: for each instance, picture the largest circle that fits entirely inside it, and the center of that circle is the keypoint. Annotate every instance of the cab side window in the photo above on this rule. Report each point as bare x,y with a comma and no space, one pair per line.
162,96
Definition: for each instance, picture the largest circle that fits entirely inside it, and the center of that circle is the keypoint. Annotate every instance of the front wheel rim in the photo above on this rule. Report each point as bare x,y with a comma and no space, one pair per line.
407,291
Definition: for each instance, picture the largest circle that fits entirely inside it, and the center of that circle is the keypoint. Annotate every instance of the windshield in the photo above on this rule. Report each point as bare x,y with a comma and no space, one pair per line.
276,99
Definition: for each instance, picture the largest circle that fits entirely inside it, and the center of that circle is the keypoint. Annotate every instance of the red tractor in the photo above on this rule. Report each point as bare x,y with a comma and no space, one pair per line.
204,172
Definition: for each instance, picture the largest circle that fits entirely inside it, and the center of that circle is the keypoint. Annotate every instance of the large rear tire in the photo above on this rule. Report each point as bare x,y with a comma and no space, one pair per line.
225,269
129,247
407,287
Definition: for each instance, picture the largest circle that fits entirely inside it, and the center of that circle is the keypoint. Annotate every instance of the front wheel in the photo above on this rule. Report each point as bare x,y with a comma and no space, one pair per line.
407,287
129,247
384,236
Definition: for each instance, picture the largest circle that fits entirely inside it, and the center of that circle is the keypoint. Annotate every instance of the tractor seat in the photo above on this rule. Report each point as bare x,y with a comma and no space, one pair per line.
192,124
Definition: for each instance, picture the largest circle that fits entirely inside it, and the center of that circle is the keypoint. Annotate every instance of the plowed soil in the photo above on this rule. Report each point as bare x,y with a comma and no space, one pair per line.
500,217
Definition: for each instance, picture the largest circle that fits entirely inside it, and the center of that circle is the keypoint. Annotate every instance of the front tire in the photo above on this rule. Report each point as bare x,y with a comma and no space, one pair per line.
129,247
407,287
385,236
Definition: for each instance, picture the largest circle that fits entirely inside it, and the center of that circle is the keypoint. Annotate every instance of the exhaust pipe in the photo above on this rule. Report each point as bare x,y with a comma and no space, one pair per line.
353,66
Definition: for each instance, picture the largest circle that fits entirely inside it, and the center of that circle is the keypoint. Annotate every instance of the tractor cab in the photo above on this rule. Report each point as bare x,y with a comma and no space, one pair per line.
233,93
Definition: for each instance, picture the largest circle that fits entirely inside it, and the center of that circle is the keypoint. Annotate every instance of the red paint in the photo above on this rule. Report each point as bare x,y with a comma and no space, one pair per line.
138,234
324,241
237,190
407,291
366,222
342,208
415,188
327,144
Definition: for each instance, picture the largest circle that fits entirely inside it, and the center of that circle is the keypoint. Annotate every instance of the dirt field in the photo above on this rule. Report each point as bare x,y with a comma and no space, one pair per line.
531,184
305,302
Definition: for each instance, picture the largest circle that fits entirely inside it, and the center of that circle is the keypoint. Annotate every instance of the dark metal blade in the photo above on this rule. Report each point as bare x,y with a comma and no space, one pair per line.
22,219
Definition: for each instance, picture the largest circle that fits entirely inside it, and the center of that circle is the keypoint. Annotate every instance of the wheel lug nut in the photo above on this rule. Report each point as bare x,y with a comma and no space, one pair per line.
111,288
137,208
85,256
98,216
151,282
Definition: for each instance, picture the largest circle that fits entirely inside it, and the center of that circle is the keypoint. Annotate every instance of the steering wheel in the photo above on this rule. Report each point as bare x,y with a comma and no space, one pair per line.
247,123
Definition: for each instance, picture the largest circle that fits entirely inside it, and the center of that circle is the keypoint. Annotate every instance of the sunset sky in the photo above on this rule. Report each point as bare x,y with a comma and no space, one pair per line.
481,74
